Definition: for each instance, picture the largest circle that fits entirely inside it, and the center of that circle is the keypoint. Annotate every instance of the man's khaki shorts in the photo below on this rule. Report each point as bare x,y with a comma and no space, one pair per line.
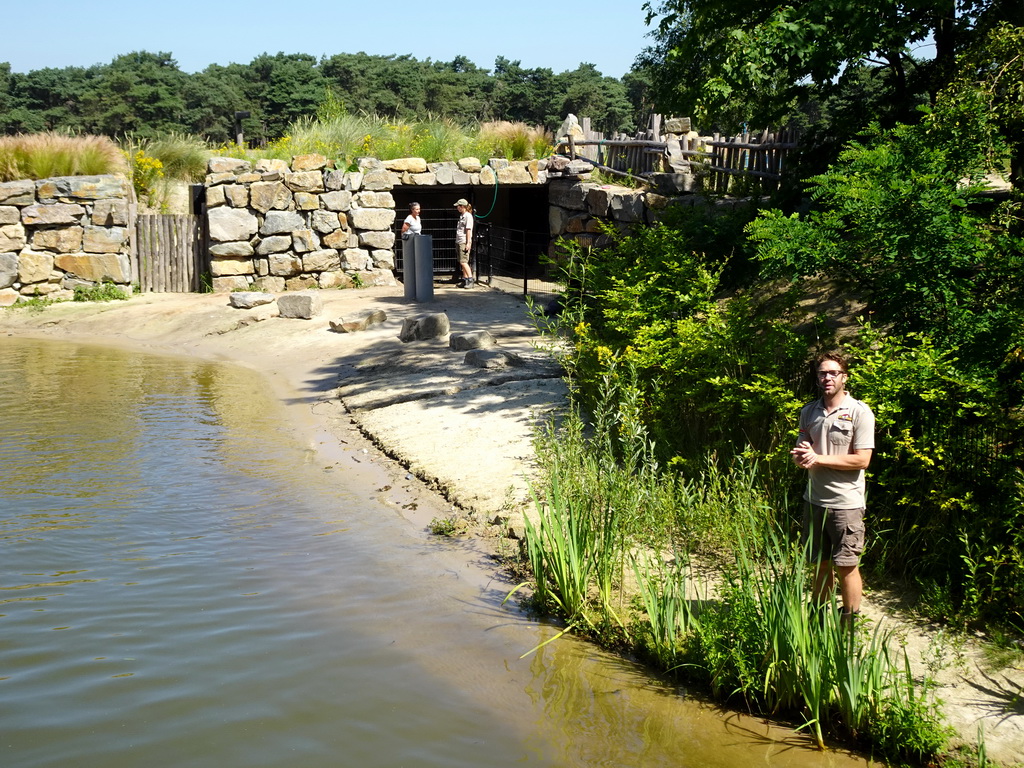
463,255
834,534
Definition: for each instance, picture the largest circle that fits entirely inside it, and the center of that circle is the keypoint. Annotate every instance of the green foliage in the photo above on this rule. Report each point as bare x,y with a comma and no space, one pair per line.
900,218
447,526
146,174
32,303
105,291
137,93
894,217
713,374
181,157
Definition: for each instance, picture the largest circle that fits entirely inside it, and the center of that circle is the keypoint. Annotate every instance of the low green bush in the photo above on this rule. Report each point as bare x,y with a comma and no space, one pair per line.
105,291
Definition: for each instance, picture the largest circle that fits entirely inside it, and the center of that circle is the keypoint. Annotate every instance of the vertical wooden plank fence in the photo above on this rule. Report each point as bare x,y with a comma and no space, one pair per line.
169,254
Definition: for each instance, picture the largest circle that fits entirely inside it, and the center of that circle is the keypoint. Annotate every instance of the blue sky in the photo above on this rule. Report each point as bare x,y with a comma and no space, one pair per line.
62,33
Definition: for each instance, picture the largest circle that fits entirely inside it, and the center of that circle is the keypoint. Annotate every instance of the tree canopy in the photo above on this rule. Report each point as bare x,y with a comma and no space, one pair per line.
146,94
758,60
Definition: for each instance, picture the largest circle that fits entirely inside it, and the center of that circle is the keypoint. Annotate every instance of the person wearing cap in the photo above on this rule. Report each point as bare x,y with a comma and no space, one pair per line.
464,239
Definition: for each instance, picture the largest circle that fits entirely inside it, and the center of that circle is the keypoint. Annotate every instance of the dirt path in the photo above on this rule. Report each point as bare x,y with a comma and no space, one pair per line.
455,429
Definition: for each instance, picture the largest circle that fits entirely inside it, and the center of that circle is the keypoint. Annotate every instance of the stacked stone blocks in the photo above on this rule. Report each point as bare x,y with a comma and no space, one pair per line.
278,227
56,234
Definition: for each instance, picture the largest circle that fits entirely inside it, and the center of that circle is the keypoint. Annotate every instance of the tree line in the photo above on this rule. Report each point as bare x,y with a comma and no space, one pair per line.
146,94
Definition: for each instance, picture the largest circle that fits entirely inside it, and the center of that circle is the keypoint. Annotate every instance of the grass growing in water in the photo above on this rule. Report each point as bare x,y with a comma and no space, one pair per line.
749,632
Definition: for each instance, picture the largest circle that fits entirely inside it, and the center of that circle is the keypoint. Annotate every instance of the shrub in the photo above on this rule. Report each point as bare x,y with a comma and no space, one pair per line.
105,291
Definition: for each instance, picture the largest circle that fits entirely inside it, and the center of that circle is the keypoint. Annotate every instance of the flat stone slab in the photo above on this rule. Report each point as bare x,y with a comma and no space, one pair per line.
493,358
249,299
444,438
376,317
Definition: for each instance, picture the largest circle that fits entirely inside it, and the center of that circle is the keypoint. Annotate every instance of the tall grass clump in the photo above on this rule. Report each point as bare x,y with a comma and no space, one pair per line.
602,493
762,641
513,141
343,137
183,157
47,155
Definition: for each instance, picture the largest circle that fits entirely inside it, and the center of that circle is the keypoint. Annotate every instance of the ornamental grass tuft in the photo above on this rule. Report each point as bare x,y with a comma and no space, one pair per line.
48,155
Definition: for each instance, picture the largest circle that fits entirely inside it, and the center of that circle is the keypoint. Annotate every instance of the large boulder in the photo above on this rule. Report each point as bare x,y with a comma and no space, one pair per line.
434,326
96,268
305,181
53,214
280,222
18,192
309,162
406,165
34,267
460,342
110,213
372,218
375,199
82,187
378,180
324,260
60,240
232,165
228,267
303,306
8,269
12,237
380,239
104,239
269,196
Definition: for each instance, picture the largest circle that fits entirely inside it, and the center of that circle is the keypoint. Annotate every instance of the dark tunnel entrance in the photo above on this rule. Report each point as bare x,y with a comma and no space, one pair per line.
511,227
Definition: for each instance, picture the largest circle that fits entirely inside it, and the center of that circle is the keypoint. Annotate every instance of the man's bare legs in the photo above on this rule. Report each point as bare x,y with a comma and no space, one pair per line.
850,585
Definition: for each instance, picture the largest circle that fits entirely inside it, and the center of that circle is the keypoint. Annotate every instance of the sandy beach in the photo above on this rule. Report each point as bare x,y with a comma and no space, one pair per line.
436,436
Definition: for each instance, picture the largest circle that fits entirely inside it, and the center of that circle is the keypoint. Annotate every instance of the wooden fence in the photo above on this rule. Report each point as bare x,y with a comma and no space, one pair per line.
723,160
716,160
168,256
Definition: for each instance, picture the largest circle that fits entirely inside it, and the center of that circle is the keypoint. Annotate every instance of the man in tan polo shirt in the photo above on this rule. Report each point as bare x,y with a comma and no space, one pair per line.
837,438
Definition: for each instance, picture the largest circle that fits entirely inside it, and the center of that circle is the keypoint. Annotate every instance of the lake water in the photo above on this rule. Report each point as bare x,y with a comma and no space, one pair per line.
181,585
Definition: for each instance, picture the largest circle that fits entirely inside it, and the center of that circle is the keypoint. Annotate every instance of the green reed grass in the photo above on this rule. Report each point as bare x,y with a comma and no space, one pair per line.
752,632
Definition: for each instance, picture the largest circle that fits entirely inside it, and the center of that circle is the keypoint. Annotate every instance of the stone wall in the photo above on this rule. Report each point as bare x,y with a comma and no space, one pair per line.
62,232
279,226
579,208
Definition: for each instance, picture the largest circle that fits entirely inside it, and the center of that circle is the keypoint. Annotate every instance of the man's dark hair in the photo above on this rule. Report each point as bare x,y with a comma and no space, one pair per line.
835,356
